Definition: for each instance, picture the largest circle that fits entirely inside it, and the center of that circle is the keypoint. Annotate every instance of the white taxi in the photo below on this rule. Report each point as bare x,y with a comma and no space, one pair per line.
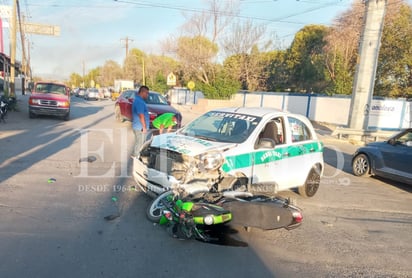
259,150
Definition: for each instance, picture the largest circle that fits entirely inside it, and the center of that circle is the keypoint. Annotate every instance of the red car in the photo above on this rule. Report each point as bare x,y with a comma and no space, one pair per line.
156,103
50,98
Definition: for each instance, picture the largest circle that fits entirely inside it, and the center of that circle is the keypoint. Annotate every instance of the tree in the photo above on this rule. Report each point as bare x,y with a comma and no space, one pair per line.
340,51
157,68
221,87
94,77
394,73
305,59
196,56
75,80
276,70
133,66
212,21
110,71
245,60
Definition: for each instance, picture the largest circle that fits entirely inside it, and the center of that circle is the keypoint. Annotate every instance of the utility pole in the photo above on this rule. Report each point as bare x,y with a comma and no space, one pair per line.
143,72
368,59
126,42
83,74
28,59
13,49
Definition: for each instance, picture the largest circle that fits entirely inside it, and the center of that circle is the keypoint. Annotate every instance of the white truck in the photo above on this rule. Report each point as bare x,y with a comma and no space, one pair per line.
120,86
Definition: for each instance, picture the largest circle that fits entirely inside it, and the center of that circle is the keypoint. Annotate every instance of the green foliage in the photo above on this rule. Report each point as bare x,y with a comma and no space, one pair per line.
75,80
222,87
305,61
393,76
276,70
159,83
343,79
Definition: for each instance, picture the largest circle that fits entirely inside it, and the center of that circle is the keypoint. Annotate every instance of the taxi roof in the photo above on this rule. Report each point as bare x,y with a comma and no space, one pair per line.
254,111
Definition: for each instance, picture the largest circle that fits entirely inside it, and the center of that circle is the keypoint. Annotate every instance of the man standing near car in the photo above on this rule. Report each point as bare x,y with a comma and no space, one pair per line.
140,115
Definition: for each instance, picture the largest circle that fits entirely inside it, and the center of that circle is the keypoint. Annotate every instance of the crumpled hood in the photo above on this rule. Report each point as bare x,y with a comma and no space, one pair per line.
187,144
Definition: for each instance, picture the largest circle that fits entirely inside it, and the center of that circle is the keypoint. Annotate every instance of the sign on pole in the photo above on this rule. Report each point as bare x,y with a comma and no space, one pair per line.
171,79
5,11
191,85
41,29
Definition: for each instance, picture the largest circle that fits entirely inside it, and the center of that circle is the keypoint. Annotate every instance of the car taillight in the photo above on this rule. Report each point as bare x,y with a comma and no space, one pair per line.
297,216
152,116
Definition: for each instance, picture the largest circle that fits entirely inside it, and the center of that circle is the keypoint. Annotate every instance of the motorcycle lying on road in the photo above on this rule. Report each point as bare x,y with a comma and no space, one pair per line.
248,210
187,219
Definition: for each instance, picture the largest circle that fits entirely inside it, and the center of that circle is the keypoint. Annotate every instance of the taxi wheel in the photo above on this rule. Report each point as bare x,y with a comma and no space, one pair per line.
311,185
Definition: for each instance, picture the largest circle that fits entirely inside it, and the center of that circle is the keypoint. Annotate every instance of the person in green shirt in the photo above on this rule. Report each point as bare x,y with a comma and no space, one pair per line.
166,120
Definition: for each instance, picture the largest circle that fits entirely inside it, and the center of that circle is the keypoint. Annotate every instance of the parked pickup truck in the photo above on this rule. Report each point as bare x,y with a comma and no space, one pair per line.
50,98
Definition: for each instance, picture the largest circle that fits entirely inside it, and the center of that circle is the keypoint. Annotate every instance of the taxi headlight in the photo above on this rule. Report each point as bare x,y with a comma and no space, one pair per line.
211,161
208,220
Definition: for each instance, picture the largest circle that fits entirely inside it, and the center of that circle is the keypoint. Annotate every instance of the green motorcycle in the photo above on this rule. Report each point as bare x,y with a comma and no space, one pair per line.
189,219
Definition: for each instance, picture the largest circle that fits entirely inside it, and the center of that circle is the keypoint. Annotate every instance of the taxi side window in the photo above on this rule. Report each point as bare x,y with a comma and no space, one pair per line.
299,130
274,130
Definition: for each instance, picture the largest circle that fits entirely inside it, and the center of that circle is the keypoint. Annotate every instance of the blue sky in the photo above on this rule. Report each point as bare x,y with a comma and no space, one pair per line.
92,31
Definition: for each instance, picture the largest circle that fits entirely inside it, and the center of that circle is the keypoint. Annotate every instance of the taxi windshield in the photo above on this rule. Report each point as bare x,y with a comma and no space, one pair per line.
222,127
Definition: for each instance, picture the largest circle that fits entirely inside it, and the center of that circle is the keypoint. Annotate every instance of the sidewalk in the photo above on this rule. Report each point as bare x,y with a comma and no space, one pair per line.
187,113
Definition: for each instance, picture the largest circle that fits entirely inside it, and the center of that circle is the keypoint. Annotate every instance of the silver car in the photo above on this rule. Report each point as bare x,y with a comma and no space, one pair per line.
92,93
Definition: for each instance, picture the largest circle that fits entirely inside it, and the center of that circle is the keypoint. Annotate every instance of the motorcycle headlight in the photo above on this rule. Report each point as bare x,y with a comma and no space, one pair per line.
211,161
208,220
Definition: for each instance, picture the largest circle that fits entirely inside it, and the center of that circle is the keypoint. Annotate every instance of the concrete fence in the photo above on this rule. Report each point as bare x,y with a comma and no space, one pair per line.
385,114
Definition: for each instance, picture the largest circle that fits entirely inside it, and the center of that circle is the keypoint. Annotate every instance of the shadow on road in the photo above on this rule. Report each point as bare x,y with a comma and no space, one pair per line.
24,141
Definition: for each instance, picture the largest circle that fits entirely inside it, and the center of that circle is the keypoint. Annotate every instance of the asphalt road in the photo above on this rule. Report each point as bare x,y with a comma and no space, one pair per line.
58,180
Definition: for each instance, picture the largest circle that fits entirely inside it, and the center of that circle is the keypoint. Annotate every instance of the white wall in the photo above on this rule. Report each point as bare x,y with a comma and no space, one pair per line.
383,114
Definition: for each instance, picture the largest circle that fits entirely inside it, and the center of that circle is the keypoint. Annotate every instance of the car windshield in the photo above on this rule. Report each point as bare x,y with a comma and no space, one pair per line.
50,89
222,127
156,99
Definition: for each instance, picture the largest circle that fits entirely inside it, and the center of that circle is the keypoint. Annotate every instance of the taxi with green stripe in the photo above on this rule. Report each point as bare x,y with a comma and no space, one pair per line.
260,150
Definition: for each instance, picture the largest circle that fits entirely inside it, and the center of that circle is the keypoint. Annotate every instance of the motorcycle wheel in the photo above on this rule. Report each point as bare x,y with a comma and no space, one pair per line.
155,209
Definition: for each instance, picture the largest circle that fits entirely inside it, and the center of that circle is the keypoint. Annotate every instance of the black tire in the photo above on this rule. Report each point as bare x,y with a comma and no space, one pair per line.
311,185
66,117
117,114
155,209
32,115
361,166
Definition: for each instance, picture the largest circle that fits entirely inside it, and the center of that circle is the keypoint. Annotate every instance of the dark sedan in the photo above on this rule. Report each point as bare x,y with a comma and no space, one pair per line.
390,159
156,103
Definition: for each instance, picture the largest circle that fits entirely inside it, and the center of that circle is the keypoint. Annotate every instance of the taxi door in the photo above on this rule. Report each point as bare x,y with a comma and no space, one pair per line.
269,172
